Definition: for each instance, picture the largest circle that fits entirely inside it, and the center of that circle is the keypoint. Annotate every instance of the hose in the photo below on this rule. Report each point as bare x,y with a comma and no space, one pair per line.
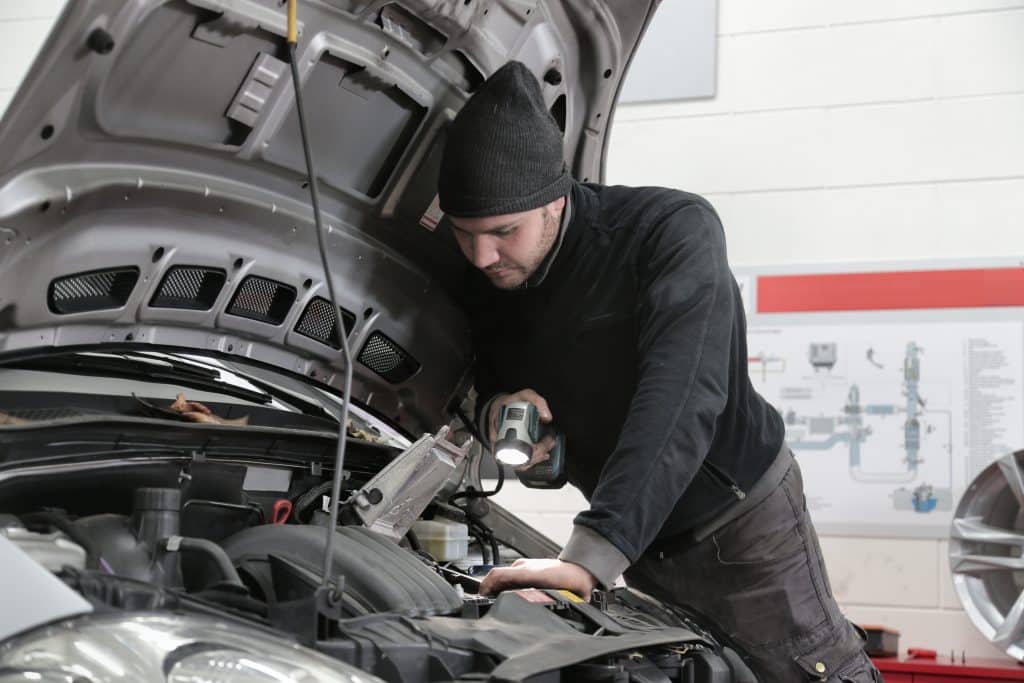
211,550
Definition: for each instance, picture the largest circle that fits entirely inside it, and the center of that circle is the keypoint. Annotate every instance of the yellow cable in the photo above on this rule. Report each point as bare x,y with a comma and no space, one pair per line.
293,24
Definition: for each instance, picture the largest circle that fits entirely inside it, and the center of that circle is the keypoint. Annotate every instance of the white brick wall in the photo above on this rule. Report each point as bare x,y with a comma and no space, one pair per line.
878,129
849,131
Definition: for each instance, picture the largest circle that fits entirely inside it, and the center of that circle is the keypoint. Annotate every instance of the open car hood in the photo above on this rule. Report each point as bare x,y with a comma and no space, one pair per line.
153,187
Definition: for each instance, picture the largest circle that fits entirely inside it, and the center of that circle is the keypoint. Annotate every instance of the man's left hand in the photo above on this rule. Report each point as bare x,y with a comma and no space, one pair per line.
540,574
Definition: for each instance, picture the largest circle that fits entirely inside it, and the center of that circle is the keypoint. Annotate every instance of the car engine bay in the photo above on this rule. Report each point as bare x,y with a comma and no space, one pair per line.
144,529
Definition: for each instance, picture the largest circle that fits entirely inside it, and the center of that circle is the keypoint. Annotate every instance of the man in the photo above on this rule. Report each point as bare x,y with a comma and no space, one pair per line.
613,310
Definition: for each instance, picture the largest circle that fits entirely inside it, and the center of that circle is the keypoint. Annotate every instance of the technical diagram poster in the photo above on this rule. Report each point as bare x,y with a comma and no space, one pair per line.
892,421
890,414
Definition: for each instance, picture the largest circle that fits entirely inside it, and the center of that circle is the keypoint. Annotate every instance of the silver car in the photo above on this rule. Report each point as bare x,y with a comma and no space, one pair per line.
170,387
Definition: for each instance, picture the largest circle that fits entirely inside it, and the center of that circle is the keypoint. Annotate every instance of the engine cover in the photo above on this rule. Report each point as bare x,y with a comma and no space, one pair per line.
379,575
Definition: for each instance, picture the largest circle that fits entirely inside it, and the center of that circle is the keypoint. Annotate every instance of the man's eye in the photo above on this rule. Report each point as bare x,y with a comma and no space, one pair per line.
506,232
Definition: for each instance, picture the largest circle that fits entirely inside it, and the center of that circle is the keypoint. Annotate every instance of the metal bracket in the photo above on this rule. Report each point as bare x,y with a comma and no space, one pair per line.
391,501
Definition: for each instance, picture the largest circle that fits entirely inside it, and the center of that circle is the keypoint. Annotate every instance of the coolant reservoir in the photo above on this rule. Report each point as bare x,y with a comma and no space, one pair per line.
53,551
444,539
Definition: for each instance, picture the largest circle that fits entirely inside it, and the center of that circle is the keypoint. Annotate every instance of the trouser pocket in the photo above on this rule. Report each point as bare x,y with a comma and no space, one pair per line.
766,567
842,662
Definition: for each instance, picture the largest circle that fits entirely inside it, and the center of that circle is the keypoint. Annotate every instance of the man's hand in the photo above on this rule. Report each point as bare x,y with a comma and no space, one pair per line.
540,574
529,395
541,449
541,452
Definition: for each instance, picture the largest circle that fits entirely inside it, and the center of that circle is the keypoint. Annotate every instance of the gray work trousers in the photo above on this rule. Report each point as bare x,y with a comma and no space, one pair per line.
761,579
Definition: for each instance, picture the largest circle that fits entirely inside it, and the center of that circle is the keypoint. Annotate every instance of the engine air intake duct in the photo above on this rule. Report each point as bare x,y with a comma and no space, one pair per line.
379,575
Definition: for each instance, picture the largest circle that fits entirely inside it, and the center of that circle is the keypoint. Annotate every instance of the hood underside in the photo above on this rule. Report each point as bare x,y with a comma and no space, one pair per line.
153,189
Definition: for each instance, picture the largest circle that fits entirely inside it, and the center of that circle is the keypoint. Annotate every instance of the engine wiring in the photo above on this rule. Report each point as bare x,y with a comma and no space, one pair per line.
339,328
470,492
310,498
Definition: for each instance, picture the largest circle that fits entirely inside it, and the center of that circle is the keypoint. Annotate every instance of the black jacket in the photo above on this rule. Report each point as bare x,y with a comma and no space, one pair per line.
637,339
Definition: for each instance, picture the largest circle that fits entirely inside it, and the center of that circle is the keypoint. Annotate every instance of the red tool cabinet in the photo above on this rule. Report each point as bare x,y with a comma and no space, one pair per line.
943,670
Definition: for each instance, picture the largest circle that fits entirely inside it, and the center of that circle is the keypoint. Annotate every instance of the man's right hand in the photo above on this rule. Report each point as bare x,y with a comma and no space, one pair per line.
541,448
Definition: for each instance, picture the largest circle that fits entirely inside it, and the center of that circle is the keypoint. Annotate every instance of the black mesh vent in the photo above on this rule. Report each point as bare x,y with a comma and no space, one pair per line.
95,290
388,359
36,414
516,413
261,299
191,287
319,323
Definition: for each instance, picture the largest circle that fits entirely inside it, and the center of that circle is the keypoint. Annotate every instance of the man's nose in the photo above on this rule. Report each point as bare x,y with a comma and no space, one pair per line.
485,252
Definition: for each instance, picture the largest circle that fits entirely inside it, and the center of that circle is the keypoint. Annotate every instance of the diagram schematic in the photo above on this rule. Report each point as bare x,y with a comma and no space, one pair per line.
888,420
852,427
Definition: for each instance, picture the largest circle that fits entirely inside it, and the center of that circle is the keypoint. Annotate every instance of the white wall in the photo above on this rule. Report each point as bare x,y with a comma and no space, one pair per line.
850,131
842,131
23,28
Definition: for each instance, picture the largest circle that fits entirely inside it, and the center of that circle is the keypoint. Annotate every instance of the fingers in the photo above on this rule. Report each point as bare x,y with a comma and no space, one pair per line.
541,453
502,578
197,412
182,405
196,416
535,460
492,420
505,578
539,574
538,401
492,582
199,408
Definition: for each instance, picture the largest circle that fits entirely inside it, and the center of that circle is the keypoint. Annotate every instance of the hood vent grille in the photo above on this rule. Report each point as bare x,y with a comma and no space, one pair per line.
261,299
190,287
388,359
319,322
95,290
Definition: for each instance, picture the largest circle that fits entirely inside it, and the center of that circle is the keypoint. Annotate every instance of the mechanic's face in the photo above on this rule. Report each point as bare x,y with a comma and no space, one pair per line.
509,248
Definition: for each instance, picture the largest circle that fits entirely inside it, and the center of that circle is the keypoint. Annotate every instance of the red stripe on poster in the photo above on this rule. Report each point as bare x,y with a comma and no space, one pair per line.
897,290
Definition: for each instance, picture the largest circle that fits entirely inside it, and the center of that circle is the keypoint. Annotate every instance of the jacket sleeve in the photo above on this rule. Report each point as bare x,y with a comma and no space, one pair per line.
685,318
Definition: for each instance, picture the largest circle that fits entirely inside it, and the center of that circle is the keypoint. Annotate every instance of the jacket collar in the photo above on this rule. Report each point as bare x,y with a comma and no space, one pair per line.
579,208
542,270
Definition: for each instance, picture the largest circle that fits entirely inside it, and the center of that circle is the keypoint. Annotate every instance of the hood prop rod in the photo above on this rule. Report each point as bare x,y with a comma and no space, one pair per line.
339,327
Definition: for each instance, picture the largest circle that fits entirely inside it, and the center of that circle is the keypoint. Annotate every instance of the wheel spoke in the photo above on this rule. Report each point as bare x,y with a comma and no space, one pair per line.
1009,631
986,551
1014,477
969,564
973,529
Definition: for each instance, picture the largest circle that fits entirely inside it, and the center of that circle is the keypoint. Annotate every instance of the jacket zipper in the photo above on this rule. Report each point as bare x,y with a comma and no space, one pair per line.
724,479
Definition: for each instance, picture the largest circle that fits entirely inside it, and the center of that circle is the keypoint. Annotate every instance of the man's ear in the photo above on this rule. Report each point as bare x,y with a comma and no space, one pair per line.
556,206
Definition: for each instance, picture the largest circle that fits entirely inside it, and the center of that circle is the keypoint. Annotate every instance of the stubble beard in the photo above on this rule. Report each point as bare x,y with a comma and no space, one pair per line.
520,274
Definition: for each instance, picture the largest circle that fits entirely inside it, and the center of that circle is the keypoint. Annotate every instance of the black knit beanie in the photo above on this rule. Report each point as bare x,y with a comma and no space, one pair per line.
504,150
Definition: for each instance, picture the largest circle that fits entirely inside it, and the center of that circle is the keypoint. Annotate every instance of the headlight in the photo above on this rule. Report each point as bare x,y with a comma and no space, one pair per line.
165,648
